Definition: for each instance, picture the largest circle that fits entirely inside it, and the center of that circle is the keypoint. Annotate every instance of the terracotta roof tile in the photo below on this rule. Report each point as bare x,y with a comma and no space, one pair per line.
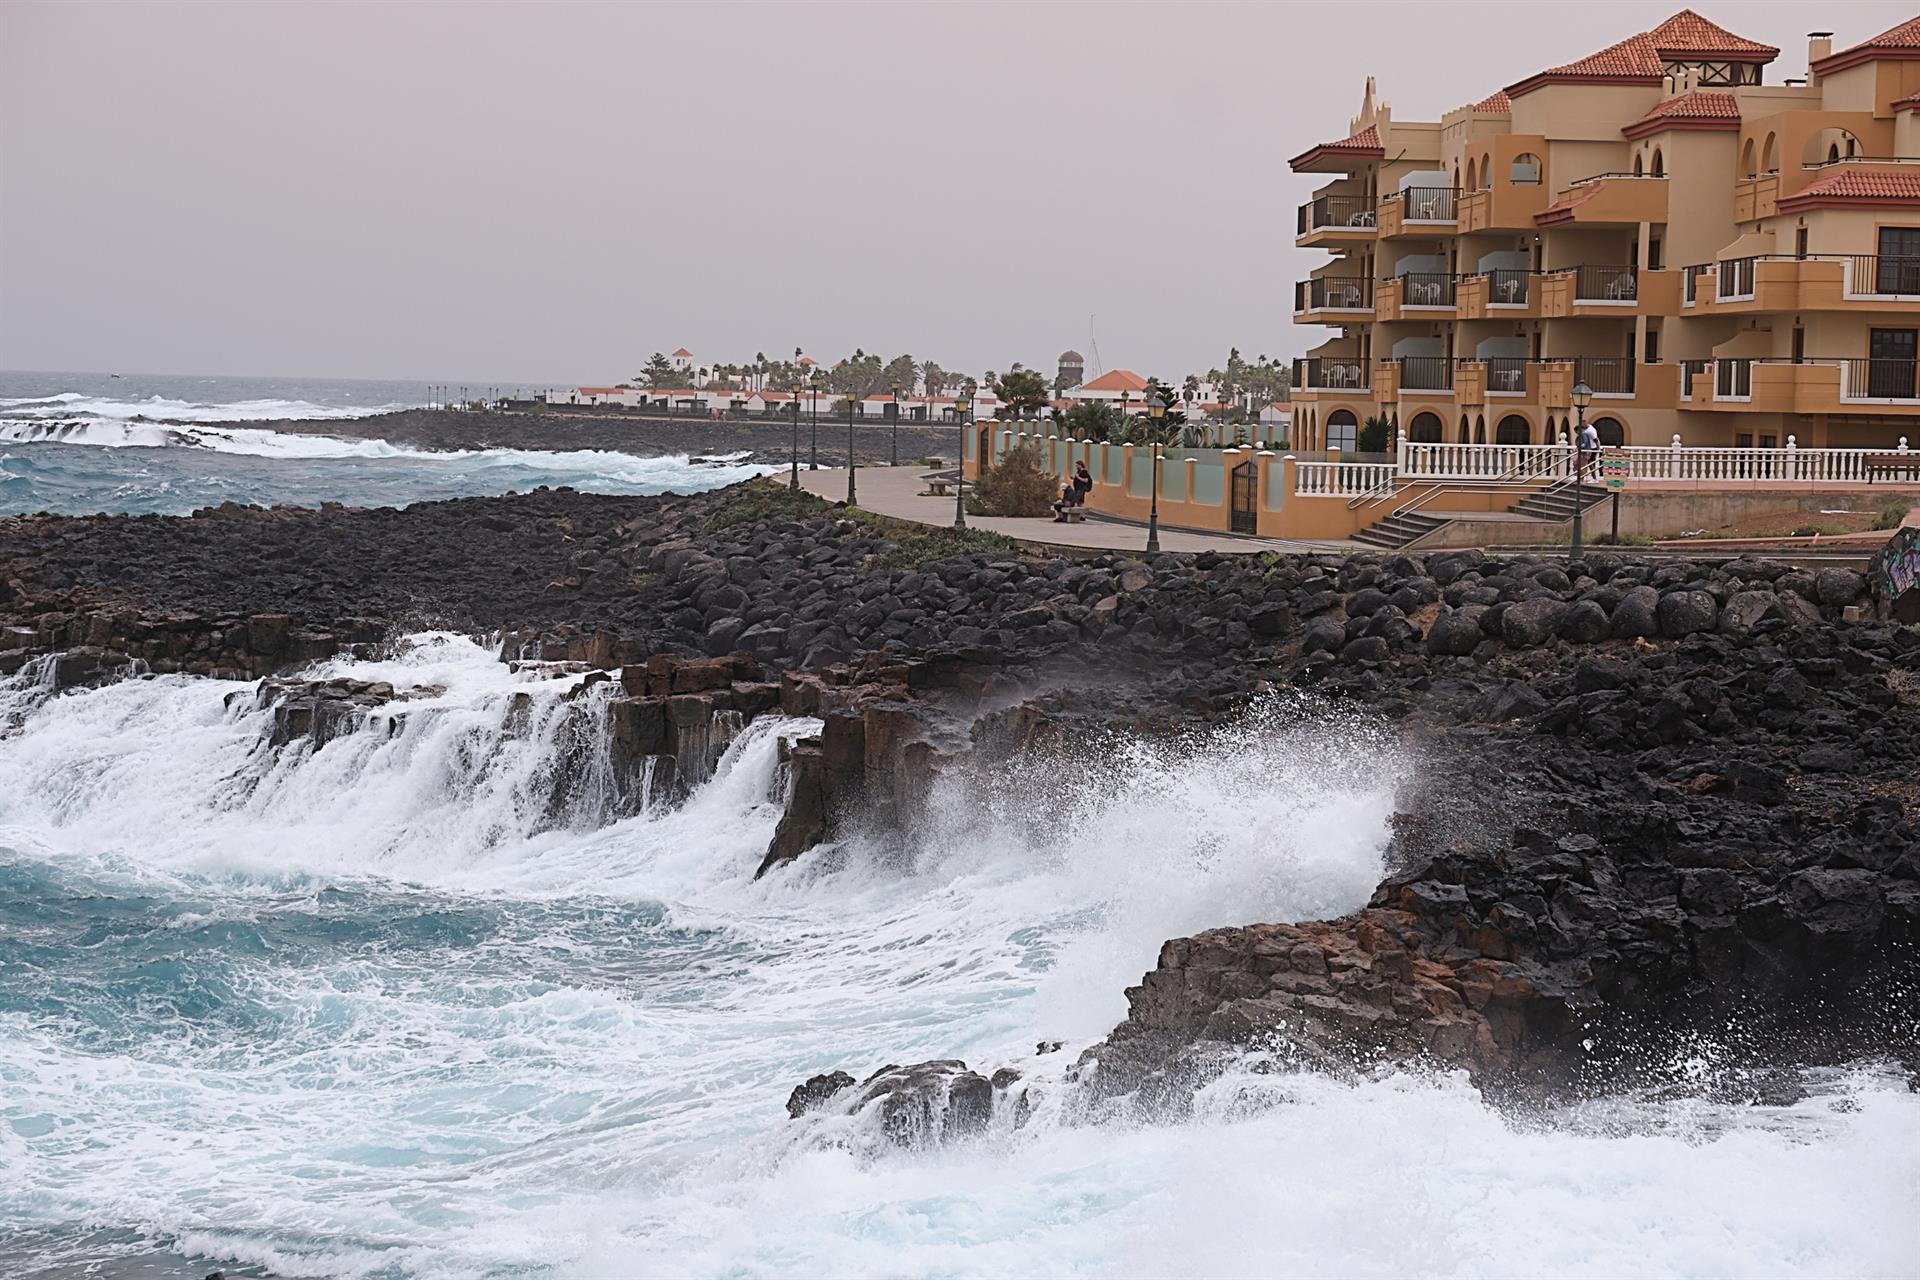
1496,103
1118,380
1686,32
1643,58
683,352
1902,41
1697,110
1364,143
1847,186
1909,103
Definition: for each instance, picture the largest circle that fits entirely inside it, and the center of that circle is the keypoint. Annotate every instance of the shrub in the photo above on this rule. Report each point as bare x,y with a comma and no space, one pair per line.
1373,437
1892,512
1017,487
765,498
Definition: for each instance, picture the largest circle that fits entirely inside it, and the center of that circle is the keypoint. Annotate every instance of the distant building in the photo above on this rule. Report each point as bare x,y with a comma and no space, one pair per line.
1073,370
1115,384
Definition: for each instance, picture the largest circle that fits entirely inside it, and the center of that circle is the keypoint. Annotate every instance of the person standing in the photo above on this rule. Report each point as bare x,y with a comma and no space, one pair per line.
1589,449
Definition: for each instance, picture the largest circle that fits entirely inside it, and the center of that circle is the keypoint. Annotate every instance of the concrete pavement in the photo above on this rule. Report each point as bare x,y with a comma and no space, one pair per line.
897,492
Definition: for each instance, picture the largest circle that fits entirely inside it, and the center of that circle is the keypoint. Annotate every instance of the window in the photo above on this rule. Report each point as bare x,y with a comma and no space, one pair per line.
1425,429
1800,243
1486,169
1612,434
1638,171
1472,184
1343,430
1890,362
1799,345
1525,169
1480,428
1747,166
1653,346
1659,164
1513,429
1770,155
1898,269
1653,253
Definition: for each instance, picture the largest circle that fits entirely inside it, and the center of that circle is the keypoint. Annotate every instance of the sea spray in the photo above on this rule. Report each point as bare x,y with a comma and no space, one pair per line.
379,1016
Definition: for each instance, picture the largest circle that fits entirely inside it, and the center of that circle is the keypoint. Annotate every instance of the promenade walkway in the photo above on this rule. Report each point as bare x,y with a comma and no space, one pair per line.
897,492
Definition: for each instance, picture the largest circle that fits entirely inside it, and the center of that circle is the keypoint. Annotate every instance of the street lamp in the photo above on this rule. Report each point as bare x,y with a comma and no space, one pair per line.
852,465
1156,411
896,425
1582,396
813,421
961,403
793,477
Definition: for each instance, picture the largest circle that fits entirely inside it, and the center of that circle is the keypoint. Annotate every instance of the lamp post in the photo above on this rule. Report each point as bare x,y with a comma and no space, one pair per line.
813,422
852,465
961,403
1582,396
1156,412
793,477
896,426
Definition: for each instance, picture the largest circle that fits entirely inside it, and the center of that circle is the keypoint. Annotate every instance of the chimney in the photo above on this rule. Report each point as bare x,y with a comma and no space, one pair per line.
1819,45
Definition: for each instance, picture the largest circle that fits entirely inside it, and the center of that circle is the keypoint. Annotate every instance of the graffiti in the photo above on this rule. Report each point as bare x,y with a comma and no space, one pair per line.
1896,572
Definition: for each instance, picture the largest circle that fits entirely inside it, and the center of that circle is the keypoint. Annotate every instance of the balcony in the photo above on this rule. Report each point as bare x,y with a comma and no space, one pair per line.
1335,220
1820,282
1815,385
1596,290
1333,300
1420,295
1331,373
1419,211
1608,200
1505,206
1425,374
1499,294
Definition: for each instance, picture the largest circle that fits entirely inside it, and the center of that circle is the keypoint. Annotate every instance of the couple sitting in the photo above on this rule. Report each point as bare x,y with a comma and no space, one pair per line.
1073,493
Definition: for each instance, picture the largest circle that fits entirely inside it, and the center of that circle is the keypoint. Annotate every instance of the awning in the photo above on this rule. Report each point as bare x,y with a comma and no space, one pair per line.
1751,245
1346,347
1748,343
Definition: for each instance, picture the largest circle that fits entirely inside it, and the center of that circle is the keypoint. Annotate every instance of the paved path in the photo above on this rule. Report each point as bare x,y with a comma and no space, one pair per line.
897,492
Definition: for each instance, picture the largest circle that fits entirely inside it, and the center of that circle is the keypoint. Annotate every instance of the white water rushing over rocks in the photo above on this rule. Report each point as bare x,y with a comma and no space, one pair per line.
379,1010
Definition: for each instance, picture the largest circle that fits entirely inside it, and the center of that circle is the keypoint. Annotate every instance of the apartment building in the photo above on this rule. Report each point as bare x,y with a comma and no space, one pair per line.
1719,258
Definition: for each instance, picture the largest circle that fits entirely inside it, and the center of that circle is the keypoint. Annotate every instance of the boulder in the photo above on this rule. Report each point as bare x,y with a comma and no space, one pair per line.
1531,623
1584,623
1681,613
1637,614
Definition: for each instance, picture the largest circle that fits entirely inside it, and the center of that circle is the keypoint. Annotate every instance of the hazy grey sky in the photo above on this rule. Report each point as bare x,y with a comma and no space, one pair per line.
552,191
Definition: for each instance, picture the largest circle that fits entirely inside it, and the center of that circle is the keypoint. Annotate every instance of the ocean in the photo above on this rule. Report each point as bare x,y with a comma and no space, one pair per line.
373,1010
380,1010
79,444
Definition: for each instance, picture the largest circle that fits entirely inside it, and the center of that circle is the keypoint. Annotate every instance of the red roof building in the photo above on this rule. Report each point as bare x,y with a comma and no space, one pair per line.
1894,44
1700,109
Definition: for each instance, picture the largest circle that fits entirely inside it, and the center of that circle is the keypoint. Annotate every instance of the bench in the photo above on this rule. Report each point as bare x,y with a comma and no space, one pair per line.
1074,515
940,483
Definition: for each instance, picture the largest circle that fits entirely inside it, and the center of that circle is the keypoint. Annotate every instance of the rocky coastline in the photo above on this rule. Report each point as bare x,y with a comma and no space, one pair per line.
1653,799
768,442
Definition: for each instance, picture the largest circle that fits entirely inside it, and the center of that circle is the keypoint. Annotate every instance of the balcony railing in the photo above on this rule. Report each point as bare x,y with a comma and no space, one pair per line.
1605,284
1507,286
1691,277
1506,373
1883,276
1354,212
1876,378
1331,373
1340,293
1689,369
1428,204
1607,375
1426,289
1340,479
1425,373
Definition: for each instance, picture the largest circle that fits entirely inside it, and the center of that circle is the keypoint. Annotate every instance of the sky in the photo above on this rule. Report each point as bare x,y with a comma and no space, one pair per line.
551,192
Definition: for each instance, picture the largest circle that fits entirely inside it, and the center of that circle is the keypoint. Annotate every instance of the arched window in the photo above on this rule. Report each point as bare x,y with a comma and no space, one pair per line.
1514,429
1747,168
1343,430
1486,169
1466,429
1638,171
1770,155
1473,183
1612,434
1456,175
1426,428
1525,169
1480,428
1659,164
1833,154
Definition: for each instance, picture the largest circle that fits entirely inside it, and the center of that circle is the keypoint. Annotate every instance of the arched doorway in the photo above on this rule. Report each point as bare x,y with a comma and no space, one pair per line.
1513,429
1426,428
1612,434
1343,430
1659,164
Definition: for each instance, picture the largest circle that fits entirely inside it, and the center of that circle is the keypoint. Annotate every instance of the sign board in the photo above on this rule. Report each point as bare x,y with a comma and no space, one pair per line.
1614,469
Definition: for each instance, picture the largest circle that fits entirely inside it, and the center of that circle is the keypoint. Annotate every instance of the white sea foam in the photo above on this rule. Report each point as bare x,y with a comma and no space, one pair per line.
73,404
392,1020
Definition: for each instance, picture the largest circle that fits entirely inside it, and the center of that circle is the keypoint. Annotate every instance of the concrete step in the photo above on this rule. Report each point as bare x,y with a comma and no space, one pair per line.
1395,532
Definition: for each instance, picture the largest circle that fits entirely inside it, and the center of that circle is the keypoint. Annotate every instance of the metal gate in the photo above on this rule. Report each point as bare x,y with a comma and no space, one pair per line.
1245,496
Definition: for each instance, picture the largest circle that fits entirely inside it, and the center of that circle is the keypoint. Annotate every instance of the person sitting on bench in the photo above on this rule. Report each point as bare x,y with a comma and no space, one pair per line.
1069,500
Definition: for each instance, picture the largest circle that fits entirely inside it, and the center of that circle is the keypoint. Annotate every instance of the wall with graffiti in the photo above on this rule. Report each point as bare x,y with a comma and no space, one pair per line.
1896,574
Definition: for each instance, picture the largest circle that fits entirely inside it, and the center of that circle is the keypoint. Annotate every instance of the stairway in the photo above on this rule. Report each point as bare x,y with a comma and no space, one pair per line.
1556,501
1397,531
1551,505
